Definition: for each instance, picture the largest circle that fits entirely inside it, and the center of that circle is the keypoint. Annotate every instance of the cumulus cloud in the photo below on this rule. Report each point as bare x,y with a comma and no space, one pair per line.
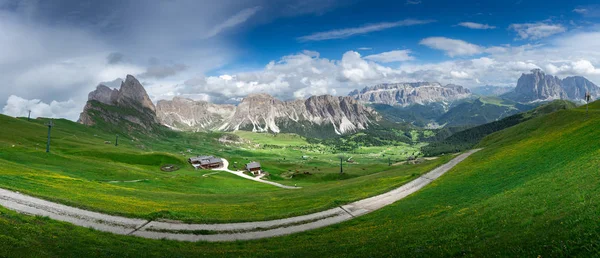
534,31
581,67
391,56
349,32
17,106
452,47
477,26
234,20
459,74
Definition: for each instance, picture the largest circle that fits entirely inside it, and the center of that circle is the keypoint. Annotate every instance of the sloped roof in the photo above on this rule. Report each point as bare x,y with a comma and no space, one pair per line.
200,158
252,165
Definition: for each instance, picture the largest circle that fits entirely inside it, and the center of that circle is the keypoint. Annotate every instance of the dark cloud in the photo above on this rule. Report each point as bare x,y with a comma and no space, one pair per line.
163,71
115,58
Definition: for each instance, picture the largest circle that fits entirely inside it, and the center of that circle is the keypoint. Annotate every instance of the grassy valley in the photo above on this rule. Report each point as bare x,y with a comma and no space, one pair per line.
86,170
522,195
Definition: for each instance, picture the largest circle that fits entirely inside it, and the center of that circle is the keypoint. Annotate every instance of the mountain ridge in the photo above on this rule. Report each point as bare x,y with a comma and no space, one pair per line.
130,107
405,94
263,113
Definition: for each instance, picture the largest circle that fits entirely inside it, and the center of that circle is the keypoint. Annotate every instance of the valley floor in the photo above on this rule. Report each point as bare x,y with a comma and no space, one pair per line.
217,232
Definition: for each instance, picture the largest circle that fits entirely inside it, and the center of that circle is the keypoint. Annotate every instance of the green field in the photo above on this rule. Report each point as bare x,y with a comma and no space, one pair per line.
83,171
531,192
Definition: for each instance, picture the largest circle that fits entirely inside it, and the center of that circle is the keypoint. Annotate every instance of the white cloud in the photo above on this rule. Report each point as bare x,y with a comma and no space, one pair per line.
364,48
306,73
452,47
459,74
17,106
535,31
391,56
478,26
349,32
235,20
580,67
580,10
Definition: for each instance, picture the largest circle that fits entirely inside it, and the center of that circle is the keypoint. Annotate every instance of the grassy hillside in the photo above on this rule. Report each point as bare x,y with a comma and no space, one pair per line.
82,170
468,138
480,111
532,192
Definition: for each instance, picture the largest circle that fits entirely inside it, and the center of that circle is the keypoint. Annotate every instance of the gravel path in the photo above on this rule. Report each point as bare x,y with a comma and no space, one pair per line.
219,232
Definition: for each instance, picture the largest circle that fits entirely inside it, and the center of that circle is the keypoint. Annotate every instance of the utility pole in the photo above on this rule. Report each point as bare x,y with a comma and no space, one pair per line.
117,141
587,103
389,161
29,116
341,167
50,125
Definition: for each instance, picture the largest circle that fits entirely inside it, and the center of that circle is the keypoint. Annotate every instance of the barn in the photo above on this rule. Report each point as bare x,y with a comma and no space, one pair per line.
253,167
206,162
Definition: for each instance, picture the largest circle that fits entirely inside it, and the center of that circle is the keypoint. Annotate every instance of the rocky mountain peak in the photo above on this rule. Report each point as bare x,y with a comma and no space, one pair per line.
135,106
539,86
133,93
104,94
405,94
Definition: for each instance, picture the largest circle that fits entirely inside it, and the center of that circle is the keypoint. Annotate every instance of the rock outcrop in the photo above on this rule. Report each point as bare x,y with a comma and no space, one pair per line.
128,108
405,94
538,86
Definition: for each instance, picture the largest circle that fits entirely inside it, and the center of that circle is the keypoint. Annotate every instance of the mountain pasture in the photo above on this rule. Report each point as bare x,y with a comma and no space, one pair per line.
85,169
523,195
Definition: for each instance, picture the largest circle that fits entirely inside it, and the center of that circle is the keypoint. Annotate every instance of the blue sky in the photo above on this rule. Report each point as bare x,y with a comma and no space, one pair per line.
53,53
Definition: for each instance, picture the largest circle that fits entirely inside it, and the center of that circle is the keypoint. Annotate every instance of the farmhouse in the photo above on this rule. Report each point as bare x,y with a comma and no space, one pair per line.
206,162
253,167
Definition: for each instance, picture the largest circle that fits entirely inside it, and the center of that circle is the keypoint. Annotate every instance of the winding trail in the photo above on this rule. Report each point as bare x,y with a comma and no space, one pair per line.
257,179
218,232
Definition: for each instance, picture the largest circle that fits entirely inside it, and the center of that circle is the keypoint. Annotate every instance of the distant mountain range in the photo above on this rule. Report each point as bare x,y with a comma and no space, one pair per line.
264,113
317,116
538,86
423,104
405,94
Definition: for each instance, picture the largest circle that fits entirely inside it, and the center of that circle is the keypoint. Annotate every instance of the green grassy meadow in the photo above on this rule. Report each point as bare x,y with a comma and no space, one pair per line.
531,192
83,171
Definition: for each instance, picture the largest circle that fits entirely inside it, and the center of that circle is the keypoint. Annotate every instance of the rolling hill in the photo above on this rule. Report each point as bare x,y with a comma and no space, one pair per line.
530,192
468,138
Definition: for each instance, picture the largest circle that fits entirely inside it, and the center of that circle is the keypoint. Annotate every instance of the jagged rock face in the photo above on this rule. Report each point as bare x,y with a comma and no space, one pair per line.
189,115
538,86
405,94
263,113
104,94
133,93
576,86
134,106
